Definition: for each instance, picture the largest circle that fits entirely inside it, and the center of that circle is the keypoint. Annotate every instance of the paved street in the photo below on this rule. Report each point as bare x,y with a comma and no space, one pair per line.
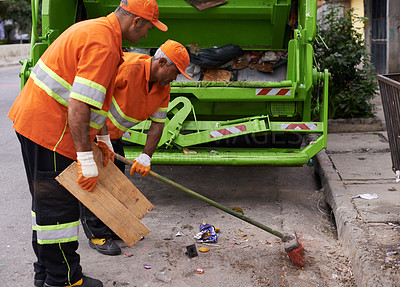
282,198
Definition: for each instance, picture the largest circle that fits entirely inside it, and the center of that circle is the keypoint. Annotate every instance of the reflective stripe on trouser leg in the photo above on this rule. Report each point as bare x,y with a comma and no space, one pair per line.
38,267
57,221
59,233
54,206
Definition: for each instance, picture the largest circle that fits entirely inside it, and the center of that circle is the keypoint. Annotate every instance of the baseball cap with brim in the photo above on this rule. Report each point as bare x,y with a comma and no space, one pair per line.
147,9
178,54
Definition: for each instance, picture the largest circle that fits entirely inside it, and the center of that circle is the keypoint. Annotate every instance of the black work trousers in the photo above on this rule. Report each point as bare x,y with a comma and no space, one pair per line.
92,225
54,211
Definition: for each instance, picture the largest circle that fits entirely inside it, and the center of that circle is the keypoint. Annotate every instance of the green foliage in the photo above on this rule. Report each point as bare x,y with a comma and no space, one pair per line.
19,11
353,84
3,10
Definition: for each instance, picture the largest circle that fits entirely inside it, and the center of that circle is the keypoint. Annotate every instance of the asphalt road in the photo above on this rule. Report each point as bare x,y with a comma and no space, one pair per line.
282,198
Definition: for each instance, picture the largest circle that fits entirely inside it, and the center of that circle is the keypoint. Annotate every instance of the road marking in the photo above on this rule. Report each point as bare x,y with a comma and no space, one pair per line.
10,68
9,86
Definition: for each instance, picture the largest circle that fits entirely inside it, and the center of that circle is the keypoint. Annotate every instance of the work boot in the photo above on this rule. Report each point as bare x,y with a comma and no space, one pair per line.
105,246
38,282
84,282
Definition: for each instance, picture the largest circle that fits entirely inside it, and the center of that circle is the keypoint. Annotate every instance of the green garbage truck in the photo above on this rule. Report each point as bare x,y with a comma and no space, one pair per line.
265,106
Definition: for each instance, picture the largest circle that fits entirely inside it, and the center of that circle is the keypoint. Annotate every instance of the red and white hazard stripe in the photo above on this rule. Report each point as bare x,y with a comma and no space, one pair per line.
228,131
273,92
299,126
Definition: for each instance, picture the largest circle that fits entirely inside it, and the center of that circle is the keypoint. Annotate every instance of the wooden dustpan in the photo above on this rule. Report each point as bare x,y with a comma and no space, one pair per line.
115,200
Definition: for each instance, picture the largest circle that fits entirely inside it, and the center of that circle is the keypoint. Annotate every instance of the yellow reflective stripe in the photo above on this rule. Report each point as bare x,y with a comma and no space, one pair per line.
121,113
98,118
88,91
114,121
158,120
60,233
34,227
52,74
58,226
100,112
44,87
85,99
119,119
95,126
55,241
59,140
159,115
91,84
51,83
66,261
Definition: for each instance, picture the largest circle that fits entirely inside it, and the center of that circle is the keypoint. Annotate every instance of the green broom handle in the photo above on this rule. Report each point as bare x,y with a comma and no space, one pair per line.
204,199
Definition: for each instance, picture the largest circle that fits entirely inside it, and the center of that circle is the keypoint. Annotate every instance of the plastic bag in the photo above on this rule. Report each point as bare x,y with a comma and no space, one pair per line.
215,57
208,233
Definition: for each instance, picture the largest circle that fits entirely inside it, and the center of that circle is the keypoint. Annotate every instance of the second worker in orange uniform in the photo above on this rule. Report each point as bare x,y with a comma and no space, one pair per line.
141,92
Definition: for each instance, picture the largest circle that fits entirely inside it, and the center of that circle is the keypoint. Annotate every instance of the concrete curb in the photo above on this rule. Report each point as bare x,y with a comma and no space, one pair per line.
354,125
11,54
351,231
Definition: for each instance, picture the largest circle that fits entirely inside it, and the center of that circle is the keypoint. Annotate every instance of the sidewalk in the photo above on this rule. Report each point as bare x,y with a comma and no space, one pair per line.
359,163
11,54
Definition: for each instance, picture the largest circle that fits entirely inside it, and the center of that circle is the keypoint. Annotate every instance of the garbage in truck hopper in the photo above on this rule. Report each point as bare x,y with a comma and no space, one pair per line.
223,63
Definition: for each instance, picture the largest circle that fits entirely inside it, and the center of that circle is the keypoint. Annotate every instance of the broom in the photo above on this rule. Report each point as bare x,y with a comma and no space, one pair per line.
292,245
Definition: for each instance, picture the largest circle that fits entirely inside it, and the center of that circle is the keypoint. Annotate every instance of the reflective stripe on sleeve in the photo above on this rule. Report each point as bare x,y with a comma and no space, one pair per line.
88,91
159,115
51,83
119,119
97,118
60,233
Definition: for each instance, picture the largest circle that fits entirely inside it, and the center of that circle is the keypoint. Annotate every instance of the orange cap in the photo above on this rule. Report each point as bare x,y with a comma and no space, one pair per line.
147,9
177,54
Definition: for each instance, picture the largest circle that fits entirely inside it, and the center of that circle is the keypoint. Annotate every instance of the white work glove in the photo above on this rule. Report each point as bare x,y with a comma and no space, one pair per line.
104,143
141,164
105,139
87,170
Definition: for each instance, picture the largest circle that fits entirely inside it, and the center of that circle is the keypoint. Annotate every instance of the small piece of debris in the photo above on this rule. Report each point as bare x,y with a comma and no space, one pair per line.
199,271
204,249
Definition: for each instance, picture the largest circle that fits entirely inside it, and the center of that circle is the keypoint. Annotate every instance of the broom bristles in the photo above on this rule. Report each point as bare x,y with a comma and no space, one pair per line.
296,255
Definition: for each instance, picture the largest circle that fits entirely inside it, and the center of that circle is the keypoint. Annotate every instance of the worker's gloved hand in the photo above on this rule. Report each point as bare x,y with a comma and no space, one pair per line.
104,143
141,164
87,170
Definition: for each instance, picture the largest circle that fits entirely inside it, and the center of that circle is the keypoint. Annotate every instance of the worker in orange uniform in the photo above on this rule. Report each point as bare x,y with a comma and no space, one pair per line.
57,115
141,91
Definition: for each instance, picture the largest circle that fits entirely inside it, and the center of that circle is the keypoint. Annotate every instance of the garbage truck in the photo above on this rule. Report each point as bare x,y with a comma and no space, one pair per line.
266,106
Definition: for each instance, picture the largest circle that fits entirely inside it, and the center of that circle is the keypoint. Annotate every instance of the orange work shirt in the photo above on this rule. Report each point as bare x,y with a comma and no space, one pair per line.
82,64
133,101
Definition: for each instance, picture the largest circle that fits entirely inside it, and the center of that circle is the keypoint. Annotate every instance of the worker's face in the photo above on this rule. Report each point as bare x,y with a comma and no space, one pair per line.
139,29
166,74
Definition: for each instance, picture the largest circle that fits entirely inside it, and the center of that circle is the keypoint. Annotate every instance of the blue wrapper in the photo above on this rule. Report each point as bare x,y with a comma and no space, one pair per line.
208,233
